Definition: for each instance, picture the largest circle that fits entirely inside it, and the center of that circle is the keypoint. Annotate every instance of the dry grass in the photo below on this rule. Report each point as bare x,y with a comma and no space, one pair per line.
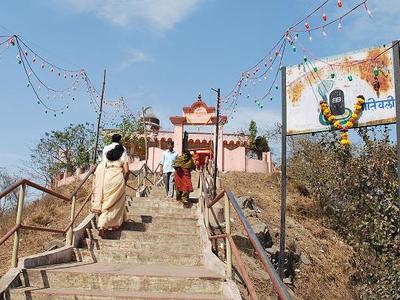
328,275
47,212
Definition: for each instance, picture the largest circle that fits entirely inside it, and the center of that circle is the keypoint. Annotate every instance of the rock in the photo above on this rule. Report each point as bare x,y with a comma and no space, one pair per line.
263,235
304,259
287,280
244,244
247,202
273,250
250,213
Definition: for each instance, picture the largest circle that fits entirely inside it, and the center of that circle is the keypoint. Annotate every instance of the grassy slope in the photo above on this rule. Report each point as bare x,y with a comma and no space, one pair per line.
328,275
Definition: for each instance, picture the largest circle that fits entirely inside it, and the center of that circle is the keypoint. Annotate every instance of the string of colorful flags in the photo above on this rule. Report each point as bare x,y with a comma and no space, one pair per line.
259,83
62,88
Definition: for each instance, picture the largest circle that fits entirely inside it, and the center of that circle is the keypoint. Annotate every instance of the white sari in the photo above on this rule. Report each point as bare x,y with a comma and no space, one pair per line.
109,194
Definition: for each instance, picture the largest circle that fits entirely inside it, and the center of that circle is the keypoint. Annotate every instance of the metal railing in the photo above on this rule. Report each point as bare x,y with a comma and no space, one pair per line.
142,176
16,229
207,203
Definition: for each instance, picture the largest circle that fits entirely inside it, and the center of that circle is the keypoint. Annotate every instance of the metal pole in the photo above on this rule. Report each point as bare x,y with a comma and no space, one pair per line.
70,236
216,143
18,221
283,178
396,66
99,118
228,233
145,135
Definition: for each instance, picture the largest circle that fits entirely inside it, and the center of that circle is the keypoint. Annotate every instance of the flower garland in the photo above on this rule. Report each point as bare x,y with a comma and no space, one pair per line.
326,111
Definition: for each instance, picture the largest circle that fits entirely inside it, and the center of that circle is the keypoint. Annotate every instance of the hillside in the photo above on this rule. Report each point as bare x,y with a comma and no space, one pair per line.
322,261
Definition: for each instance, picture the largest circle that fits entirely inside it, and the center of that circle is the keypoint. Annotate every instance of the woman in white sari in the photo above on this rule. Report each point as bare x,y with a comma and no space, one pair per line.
109,193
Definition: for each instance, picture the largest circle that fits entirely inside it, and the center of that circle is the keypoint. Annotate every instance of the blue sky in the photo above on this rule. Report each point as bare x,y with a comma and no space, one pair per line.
159,53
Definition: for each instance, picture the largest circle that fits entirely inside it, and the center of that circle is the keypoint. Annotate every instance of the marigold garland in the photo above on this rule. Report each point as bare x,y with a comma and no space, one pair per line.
326,111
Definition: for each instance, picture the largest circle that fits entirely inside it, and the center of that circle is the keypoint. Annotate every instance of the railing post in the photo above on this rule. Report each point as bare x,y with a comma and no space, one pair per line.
228,233
70,234
17,235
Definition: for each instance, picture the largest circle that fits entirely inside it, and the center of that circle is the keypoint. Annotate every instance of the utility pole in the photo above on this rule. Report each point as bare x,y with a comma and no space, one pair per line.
144,109
99,118
218,91
281,260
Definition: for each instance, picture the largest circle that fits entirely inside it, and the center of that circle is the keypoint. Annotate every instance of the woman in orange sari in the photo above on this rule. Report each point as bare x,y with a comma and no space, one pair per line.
183,165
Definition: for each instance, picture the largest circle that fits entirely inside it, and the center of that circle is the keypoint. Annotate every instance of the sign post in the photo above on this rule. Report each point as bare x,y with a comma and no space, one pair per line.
281,262
396,69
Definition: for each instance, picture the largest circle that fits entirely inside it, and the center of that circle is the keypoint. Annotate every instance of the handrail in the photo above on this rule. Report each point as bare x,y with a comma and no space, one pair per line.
242,269
230,199
276,281
79,211
36,228
90,172
219,197
9,233
68,230
22,183
34,185
11,188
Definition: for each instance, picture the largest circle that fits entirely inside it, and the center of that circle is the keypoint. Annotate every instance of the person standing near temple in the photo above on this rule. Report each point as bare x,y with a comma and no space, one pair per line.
184,165
167,168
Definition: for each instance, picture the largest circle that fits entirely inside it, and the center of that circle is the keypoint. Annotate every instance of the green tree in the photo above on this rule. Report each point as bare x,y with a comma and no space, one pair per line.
63,150
252,134
257,144
131,130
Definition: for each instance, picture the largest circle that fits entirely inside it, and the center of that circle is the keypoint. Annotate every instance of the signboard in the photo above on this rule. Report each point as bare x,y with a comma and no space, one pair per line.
338,81
198,116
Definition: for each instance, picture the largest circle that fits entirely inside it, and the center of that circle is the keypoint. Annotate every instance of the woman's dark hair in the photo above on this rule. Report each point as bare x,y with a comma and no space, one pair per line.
116,153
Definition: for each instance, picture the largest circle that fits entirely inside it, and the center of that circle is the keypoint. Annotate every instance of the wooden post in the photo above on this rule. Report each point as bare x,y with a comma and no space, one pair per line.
99,119
228,233
70,234
17,234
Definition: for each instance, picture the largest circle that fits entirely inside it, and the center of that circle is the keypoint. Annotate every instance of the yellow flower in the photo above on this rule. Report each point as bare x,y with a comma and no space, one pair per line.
349,124
337,125
354,116
360,100
332,119
326,111
345,142
357,107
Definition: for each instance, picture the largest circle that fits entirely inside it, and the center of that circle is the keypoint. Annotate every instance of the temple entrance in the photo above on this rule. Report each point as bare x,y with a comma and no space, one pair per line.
232,148
199,144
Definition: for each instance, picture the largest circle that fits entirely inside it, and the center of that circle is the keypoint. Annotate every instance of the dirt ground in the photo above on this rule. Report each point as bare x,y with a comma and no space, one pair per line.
327,271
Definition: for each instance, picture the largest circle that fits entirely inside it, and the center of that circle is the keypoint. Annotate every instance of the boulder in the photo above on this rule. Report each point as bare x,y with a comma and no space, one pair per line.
304,259
263,235
247,202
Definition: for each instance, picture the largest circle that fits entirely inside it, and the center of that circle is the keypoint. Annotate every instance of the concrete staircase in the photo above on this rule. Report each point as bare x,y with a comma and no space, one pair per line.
157,254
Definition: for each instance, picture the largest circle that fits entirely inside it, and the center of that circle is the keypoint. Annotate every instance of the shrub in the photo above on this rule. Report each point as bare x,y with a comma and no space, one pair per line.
357,189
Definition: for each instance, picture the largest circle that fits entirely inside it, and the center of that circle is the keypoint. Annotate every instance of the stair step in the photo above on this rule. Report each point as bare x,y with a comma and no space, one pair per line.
163,211
161,227
146,202
69,294
188,245
161,237
127,277
164,220
139,257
